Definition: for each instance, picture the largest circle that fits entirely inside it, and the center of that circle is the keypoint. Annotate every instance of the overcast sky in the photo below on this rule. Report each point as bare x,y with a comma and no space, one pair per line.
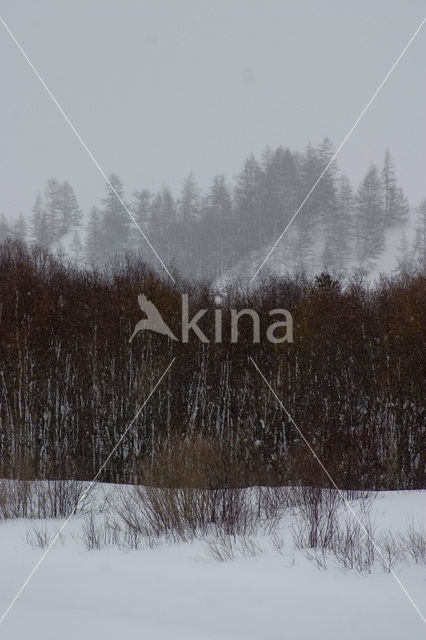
159,88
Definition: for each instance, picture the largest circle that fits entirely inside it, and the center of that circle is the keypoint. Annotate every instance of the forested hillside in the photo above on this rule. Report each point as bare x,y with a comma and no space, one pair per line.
206,234
70,380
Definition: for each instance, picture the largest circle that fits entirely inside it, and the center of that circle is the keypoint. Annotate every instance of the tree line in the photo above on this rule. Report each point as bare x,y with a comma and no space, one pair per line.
205,234
71,382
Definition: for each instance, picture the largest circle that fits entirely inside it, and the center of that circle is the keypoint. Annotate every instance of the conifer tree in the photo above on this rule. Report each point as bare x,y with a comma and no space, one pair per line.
39,223
396,207
420,238
115,219
369,217
94,247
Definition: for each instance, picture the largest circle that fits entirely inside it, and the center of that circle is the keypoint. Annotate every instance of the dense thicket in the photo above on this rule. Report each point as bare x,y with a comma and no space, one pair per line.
70,381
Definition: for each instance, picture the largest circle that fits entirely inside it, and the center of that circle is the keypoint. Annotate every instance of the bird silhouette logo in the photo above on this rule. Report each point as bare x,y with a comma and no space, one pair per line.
153,321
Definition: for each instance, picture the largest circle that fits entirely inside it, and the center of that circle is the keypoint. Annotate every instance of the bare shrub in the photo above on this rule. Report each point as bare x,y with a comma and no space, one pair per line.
224,547
58,498
272,502
414,544
322,532
318,511
92,532
112,532
182,514
39,498
191,487
15,498
353,545
391,552
278,542
39,536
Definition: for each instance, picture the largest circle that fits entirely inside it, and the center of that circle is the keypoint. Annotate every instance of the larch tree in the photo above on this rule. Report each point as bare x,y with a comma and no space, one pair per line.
279,192
70,214
337,247
420,238
76,246
217,237
4,228
405,262
163,223
247,195
39,223
310,167
53,209
189,200
19,228
115,220
369,217
189,255
141,209
93,251
396,208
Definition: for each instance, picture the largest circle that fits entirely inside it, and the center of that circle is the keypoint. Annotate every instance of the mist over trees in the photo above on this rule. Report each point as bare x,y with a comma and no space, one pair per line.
54,214
70,380
205,234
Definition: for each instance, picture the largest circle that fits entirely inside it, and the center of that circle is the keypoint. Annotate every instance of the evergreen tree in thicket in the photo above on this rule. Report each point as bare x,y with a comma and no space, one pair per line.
52,207
189,201
331,214
300,247
76,246
248,212
300,240
310,167
338,231
369,217
188,253
19,228
39,223
56,214
420,238
217,229
94,247
4,228
163,224
69,213
396,207
115,220
141,210
326,190
154,214
279,192
405,262
15,230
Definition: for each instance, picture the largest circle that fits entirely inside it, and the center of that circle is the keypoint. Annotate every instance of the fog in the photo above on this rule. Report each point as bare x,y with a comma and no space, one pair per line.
160,89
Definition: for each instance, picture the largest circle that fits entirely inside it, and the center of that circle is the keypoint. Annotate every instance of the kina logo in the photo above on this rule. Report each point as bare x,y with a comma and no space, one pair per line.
276,333
153,321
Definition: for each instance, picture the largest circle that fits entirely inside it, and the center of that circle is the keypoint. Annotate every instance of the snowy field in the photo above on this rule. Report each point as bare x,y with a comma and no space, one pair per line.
180,592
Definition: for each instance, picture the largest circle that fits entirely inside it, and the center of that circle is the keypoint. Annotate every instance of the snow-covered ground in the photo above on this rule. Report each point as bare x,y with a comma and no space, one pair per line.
179,592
